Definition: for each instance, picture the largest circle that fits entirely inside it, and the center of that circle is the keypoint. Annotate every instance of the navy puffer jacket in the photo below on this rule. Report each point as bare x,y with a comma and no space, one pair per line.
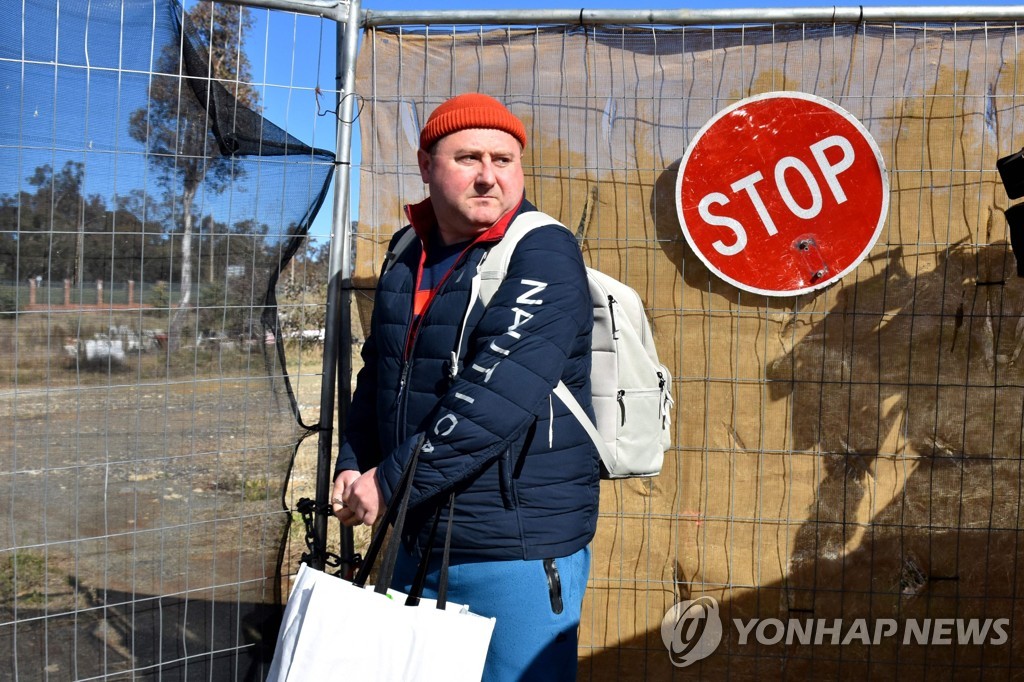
525,473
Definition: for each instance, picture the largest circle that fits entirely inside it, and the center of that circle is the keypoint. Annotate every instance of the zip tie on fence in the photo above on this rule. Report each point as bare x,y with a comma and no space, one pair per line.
361,102
835,14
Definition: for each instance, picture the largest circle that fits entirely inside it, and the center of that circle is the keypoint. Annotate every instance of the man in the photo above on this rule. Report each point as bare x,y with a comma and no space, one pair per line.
477,382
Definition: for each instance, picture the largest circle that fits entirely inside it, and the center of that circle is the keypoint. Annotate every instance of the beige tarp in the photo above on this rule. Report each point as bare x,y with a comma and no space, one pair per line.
850,453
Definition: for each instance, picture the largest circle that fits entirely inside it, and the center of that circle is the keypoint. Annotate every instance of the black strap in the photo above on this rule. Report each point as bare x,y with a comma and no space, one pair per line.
416,593
395,516
421,571
387,566
442,582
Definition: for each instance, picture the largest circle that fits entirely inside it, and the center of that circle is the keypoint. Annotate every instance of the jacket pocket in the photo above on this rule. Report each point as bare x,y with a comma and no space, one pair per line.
506,482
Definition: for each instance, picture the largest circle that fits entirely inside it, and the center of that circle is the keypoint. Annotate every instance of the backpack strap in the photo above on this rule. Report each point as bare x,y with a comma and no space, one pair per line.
492,271
407,239
494,266
490,274
566,396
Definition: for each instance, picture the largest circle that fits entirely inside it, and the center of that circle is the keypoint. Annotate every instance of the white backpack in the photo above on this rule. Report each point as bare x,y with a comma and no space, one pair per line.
631,389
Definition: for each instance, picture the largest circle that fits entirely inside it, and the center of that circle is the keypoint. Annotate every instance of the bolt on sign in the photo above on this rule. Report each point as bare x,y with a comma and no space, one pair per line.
782,193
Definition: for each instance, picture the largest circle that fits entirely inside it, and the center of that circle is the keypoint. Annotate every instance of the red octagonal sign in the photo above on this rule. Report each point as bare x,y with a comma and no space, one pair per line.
782,193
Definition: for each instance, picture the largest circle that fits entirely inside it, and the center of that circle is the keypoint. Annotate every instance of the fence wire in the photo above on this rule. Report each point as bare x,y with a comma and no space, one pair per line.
850,453
154,265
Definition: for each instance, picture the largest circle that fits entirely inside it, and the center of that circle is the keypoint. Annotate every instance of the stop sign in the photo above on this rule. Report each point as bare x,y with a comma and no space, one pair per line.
782,193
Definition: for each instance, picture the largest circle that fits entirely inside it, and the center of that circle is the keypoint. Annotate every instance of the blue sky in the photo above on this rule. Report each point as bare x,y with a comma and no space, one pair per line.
294,54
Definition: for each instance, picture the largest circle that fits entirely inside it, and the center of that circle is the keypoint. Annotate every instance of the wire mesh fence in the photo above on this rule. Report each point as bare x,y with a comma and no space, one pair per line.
851,453
155,206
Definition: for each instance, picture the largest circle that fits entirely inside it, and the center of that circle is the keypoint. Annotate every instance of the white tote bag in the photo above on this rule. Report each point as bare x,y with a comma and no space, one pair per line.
294,615
336,629
354,633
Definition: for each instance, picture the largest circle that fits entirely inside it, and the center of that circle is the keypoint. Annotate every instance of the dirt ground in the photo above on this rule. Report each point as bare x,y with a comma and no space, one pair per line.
149,510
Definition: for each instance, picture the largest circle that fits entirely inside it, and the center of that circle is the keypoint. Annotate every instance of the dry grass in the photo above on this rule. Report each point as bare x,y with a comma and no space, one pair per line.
35,370
306,364
33,349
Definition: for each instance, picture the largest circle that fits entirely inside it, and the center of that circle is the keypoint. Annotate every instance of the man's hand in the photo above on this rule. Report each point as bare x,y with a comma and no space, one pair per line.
344,480
361,498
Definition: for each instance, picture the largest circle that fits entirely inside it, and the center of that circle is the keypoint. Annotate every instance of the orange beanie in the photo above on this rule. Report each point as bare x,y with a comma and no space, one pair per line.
470,110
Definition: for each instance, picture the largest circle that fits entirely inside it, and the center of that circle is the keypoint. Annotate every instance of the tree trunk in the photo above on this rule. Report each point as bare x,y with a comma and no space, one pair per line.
212,261
185,303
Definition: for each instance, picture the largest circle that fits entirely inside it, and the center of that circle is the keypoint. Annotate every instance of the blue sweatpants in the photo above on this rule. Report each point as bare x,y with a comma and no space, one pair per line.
530,641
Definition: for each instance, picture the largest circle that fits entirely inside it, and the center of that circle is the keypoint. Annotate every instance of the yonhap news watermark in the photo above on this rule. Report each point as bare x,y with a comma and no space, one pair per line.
693,629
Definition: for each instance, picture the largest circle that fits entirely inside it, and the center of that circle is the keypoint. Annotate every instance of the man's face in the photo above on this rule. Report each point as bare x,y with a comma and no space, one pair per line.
475,177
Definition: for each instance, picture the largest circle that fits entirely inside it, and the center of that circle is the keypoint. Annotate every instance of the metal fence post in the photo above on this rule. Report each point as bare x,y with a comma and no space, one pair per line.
337,340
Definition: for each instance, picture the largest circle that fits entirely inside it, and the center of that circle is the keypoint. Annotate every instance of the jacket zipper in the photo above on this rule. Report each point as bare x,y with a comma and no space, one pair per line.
413,334
400,401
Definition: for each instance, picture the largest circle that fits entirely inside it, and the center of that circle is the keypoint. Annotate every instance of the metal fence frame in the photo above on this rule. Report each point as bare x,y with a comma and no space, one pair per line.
369,19
352,19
